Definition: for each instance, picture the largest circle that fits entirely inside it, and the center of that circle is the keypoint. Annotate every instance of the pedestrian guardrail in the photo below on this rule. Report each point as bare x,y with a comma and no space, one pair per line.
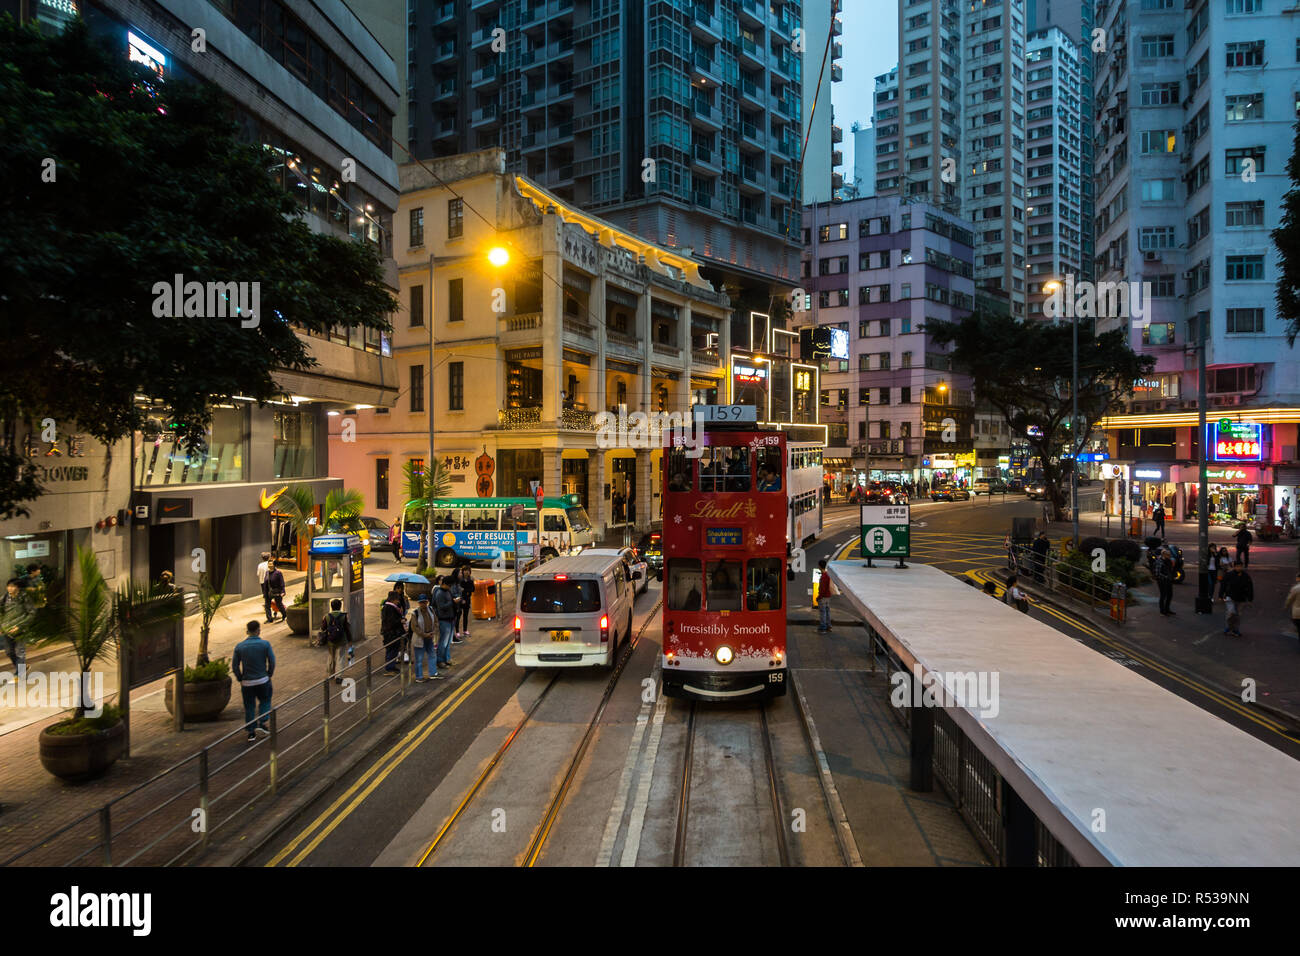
174,815
1053,570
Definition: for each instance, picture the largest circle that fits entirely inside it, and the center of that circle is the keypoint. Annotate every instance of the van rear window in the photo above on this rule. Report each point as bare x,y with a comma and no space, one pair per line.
560,597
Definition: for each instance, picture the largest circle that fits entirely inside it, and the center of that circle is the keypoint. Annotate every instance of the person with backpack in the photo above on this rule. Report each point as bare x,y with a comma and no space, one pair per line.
275,589
424,641
1164,574
1238,590
466,582
444,608
336,631
392,629
825,591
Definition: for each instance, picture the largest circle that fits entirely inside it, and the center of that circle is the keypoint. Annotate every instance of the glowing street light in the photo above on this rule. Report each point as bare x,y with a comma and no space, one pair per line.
498,256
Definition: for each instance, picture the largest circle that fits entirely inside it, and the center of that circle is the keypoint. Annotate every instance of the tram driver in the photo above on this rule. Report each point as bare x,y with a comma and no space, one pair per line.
724,591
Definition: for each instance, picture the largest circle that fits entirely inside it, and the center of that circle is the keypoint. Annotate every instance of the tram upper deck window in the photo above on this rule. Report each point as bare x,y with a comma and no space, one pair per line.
724,586
763,584
678,469
724,468
685,584
768,467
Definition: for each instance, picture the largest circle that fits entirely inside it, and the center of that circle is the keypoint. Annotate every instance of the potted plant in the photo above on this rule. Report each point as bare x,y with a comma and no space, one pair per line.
296,614
207,683
94,623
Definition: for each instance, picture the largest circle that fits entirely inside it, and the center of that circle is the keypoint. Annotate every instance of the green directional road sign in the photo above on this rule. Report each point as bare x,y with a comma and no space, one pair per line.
886,531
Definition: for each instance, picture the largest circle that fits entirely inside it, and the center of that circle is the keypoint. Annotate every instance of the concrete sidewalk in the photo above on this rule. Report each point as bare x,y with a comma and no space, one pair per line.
36,803
1267,653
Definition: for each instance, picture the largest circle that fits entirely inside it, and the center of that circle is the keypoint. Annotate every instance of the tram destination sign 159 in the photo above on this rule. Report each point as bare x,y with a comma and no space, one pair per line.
886,531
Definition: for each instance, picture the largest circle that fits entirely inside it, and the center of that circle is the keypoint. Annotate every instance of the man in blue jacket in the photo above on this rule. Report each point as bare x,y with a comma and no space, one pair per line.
253,664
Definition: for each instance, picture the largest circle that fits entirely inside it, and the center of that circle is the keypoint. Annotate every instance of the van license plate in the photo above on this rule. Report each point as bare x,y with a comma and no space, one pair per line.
561,635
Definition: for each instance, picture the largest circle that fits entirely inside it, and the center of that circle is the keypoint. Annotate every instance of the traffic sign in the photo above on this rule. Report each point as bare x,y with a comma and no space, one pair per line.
539,497
886,531
516,512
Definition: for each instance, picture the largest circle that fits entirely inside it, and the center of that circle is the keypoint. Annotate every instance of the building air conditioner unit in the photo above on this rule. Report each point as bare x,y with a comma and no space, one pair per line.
1150,255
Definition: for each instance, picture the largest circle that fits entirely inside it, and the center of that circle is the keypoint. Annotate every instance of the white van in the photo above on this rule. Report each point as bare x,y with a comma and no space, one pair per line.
573,612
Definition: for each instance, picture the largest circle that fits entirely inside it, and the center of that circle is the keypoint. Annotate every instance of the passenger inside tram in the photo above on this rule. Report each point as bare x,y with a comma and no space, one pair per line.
724,593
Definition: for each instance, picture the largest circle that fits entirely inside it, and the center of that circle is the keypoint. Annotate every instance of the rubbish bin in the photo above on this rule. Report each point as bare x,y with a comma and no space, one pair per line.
1135,527
483,604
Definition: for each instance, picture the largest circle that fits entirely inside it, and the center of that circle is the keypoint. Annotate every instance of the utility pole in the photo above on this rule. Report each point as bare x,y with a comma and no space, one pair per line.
1074,437
1204,597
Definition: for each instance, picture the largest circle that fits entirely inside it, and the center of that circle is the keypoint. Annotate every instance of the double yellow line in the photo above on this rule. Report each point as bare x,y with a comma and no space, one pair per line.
1234,704
355,795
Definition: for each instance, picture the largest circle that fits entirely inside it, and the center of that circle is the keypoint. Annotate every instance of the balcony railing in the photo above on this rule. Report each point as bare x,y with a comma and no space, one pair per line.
665,348
523,322
578,327
577,419
512,418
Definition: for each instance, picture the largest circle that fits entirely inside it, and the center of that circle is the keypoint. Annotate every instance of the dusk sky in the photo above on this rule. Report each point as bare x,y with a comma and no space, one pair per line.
870,47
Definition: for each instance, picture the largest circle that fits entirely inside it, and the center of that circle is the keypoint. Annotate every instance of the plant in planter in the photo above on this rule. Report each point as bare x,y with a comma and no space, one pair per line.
296,614
341,512
207,684
94,623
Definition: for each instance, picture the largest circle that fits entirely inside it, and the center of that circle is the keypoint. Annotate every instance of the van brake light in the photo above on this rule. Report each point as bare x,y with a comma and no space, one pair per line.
519,626
561,577
604,628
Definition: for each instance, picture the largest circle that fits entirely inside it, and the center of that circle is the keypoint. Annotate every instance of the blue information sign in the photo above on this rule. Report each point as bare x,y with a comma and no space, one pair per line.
724,537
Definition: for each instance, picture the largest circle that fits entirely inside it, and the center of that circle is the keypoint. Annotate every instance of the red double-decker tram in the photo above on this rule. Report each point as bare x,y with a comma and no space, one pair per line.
724,546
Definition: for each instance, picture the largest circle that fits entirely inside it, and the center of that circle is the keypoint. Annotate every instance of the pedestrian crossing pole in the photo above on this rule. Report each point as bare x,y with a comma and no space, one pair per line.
1204,590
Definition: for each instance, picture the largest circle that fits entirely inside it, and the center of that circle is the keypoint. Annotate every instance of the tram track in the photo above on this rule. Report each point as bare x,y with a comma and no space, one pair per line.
543,829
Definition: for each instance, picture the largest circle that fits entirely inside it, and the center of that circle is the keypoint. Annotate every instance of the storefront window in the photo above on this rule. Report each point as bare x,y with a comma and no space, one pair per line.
163,459
295,442
44,553
518,468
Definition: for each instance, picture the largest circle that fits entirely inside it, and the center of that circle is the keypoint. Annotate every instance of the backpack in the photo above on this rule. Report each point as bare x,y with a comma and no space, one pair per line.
333,629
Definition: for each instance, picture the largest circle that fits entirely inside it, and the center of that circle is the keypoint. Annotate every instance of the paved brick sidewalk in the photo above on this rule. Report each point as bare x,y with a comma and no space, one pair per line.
36,803
1268,651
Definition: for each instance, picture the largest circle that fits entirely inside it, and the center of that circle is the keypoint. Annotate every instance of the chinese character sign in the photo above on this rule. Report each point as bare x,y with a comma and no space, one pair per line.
1235,441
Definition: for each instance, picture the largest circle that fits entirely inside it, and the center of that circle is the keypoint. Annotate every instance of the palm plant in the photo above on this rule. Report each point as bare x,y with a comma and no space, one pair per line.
422,488
209,601
96,621
342,511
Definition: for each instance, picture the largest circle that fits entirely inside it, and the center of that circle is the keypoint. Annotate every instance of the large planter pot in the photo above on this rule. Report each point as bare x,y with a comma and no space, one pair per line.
296,617
204,699
77,757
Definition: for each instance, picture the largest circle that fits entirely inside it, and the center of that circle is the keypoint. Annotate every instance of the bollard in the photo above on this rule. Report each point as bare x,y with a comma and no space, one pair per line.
1118,602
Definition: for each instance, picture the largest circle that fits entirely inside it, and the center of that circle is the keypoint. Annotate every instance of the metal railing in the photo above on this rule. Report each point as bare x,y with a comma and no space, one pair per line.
184,805
1053,571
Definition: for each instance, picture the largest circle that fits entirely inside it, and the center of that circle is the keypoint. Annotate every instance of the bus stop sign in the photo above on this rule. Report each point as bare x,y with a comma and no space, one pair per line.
886,531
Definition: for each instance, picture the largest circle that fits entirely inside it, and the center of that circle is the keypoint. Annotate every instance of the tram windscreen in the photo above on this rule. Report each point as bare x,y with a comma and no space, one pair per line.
560,597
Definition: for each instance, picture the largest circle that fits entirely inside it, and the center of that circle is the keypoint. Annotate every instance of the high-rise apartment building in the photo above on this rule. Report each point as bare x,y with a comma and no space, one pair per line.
864,161
878,269
680,123
1054,170
822,52
953,130
1196,105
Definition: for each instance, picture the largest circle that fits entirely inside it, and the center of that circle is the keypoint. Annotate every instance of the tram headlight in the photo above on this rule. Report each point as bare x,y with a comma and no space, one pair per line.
724,655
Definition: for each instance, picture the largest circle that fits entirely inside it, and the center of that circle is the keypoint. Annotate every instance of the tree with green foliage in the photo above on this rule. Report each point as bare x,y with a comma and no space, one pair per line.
421,487
116,182
1024,369
1287,239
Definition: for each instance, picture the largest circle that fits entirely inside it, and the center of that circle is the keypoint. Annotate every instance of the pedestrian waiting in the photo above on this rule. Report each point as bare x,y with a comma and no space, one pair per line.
825,591
1292,604
1164,575
444,609
336,633
1238,591
253,664
424,641
392,629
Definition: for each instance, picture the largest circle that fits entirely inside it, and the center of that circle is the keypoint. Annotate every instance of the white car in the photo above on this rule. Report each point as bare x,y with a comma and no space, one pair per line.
638,571
573,611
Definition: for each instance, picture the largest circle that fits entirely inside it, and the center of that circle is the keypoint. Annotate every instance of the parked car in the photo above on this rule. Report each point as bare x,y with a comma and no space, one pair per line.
989,486
372,531
884,493
635,566
949,491
651,547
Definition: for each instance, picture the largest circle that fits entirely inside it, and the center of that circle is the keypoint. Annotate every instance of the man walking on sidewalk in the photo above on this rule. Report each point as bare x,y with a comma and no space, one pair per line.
445,611
337,632
262,570
15,613
1158,516
275,589
1244,538
1238,590
825,591
1164,572
253,663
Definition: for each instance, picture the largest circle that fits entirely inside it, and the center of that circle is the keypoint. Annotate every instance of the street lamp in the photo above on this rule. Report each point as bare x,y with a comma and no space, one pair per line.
499,256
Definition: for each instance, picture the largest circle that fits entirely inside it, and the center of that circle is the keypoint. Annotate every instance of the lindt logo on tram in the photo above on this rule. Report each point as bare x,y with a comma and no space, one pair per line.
726,522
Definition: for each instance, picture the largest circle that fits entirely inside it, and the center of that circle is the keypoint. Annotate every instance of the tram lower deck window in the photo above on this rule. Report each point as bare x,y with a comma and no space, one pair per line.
763,584
724,586
685,584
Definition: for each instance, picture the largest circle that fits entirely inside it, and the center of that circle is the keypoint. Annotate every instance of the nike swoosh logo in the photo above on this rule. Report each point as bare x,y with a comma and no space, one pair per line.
268,501
172,507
